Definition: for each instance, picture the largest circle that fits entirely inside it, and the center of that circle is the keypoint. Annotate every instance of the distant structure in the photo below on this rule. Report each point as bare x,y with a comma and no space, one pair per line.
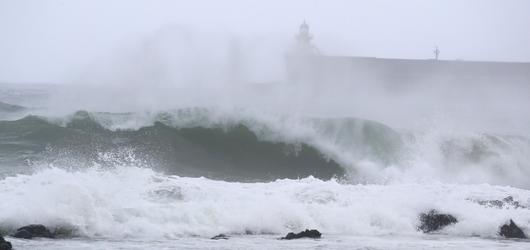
302,56
303,41
306,65
436,53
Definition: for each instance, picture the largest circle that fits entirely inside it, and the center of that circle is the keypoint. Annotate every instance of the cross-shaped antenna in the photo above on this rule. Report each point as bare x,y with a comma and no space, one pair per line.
436,53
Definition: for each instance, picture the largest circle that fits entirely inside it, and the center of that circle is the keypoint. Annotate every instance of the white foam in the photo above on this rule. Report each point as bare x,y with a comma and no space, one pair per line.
137,202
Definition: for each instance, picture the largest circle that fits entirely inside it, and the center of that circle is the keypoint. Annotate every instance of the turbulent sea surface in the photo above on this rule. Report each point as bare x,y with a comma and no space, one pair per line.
172,179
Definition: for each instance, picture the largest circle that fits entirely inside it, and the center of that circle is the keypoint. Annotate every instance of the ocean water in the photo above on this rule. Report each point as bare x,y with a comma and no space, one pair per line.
270,242
174,178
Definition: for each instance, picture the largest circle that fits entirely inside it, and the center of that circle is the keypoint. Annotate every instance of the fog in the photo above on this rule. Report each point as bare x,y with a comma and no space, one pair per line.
134,55
47,41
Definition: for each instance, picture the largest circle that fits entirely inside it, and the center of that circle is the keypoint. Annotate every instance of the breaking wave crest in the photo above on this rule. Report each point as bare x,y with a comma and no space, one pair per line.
241,146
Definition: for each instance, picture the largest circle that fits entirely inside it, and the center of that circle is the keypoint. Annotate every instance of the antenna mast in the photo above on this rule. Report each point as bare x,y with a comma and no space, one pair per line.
436,53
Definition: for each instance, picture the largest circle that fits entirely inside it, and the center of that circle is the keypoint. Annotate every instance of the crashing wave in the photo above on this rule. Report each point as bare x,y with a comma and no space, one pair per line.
249,147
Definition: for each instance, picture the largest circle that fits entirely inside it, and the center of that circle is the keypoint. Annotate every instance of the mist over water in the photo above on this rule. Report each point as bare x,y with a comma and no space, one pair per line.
448,129
434,126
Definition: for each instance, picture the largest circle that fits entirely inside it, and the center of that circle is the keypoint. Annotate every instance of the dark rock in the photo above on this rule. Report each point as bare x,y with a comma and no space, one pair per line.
24,234
5,245
30,231
315,234
220,237
433,221
511,230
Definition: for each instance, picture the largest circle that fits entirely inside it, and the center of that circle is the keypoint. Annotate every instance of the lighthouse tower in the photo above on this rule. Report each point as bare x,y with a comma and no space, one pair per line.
302,59
303,41
304,37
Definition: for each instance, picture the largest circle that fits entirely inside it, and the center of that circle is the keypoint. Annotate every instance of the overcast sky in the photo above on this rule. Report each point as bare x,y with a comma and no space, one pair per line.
43,41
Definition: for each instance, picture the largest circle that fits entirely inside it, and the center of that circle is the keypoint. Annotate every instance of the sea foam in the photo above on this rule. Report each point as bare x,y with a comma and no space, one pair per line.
136,202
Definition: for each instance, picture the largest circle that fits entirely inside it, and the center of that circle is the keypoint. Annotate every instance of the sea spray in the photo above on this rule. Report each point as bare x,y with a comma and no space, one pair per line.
141,203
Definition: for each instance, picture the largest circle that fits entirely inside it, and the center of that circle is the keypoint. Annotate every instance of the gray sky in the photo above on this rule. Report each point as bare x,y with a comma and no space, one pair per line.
48,41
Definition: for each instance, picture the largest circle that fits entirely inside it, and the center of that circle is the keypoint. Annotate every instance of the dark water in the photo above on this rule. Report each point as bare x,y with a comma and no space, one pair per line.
227,153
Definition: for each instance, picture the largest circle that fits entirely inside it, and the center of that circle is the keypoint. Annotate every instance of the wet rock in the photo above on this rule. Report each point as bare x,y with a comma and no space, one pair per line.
433,221
315,234
5,245
30,231
220,237
24,234
511,230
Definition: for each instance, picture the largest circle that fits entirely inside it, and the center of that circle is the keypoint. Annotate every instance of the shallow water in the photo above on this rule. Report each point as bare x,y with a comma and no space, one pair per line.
272,242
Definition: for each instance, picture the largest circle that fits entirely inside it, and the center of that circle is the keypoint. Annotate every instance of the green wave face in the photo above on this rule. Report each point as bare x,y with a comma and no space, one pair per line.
233,153
196,142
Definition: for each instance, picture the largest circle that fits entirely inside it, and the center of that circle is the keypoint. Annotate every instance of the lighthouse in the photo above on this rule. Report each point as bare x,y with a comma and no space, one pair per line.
303,41
302,58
